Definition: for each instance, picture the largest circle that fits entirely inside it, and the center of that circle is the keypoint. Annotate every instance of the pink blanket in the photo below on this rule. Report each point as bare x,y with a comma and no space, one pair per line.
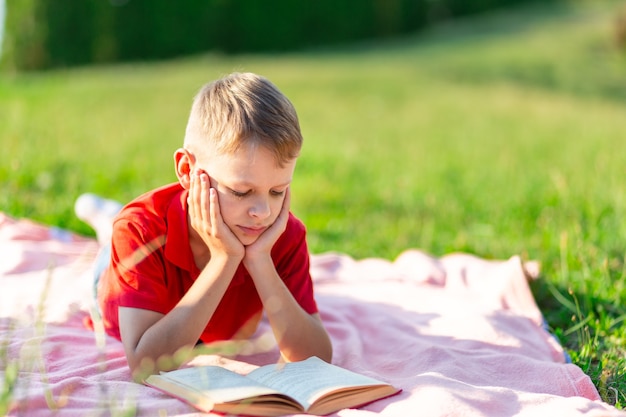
460,335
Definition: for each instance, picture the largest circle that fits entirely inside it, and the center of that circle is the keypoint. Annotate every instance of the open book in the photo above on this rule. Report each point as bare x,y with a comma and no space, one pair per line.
311,386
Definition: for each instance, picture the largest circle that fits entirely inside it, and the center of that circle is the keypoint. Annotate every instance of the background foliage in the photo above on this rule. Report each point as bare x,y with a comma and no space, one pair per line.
49,33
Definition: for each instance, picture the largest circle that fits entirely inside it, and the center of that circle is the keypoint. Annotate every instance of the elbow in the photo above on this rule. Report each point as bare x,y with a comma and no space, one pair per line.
321,348
141,368
325,354
324,346
326,351
321,345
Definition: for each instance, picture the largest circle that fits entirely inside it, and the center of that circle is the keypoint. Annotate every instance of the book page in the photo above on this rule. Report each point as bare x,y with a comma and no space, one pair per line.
218,384
309,380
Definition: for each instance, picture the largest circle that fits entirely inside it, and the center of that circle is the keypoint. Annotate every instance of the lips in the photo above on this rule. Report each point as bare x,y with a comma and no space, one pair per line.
253,231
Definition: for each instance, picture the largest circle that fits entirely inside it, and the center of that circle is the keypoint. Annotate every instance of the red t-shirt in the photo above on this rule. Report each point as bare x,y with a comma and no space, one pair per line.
152,266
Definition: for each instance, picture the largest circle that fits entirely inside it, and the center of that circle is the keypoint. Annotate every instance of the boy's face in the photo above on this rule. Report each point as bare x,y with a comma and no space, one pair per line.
251,189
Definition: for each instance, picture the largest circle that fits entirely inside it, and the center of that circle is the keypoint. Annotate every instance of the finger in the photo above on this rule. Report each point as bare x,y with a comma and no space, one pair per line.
281,220
214,209
205,204
287,200
191,197
284,211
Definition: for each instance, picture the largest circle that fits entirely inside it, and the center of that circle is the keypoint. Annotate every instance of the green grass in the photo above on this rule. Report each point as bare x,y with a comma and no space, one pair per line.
499,135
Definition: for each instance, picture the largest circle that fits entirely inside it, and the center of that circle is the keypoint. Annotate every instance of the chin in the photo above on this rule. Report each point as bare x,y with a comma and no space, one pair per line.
247,240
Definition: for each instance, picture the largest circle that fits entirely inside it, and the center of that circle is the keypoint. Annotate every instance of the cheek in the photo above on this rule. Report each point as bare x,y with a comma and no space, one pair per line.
230,209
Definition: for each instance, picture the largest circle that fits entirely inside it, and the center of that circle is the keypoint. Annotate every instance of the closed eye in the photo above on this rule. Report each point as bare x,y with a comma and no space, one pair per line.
240,194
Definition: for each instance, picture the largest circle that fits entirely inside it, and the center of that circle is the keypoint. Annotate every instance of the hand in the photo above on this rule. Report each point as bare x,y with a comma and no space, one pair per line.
264,244
206,218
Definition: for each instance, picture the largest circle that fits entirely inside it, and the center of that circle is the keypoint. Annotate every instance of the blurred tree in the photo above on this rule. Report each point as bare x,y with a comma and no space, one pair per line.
24,35
620,29
50,33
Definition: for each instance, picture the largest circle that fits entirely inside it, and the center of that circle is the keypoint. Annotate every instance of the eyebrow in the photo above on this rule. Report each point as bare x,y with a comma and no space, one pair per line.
244,183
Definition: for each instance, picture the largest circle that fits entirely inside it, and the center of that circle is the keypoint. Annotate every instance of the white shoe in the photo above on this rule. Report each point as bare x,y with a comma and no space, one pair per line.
98,213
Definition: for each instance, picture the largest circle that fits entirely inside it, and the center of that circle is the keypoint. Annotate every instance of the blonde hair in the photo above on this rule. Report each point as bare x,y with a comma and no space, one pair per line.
243,109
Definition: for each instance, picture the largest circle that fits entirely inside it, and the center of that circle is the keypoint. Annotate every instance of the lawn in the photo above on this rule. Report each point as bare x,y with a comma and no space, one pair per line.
497,135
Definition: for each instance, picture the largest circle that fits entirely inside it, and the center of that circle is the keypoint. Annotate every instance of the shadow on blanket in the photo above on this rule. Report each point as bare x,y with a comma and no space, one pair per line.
459,334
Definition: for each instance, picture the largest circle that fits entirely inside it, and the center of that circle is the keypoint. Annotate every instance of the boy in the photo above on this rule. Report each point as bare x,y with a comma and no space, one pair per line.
201,259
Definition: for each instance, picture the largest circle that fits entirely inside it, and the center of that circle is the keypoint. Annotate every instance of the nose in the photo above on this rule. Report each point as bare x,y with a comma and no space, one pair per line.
260,208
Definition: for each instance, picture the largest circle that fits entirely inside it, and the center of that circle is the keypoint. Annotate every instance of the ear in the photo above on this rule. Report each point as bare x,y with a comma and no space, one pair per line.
184,162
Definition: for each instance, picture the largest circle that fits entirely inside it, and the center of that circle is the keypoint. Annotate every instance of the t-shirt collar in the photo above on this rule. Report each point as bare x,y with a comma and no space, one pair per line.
177,247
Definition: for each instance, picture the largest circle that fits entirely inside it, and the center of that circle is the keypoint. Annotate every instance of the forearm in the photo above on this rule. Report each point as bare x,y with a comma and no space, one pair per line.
299,334
179,330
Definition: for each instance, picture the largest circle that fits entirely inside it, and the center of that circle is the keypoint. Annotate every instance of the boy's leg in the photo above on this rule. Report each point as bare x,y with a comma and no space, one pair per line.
101,263
99,213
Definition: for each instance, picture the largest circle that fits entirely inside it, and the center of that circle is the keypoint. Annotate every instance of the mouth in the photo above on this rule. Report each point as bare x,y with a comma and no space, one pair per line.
253,231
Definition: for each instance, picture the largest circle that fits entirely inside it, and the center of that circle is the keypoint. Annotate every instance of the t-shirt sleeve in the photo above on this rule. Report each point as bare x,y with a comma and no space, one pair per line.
293,264
138,268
